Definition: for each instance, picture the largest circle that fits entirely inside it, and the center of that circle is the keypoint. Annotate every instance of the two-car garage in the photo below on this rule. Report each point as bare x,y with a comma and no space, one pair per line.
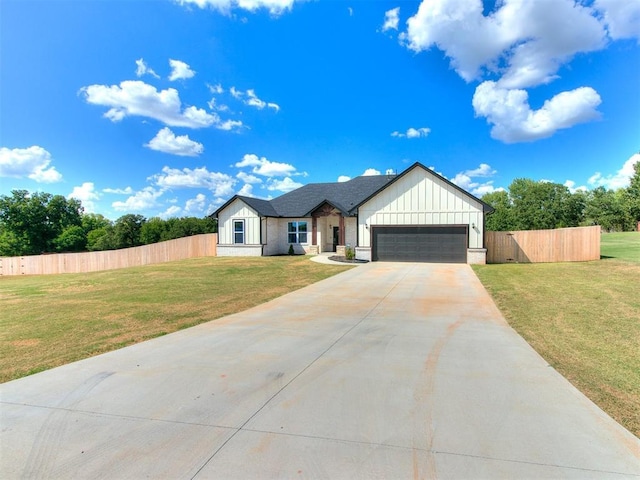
423,243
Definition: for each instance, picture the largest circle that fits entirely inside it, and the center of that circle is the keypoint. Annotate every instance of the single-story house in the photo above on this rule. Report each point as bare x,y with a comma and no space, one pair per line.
416,215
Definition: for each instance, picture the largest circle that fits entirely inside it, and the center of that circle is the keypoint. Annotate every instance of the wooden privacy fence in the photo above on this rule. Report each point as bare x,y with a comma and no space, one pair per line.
577,244
179,249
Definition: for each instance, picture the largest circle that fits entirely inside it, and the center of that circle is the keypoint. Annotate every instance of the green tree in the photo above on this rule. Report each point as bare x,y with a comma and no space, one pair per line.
540,205
501,219
72,239
36,220
101,239
94,221
633,196
127,230
153,230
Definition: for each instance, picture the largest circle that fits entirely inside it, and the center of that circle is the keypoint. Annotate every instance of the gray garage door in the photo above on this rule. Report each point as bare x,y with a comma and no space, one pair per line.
446,244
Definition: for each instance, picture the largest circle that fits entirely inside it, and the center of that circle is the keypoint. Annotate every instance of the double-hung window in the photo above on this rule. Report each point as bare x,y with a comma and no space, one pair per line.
297,232
238,231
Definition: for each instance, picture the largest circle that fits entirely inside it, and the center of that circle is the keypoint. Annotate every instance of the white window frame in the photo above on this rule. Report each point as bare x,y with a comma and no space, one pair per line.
297,234
234,232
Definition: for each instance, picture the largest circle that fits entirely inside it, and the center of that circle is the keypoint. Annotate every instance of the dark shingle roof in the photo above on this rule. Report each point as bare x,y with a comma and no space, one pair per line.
345,196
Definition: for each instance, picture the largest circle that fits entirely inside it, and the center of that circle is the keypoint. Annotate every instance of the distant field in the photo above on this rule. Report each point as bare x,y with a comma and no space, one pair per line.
583,318
622,246
51,320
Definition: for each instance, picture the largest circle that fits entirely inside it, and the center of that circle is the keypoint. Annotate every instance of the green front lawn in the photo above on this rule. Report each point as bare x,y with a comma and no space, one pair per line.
51,320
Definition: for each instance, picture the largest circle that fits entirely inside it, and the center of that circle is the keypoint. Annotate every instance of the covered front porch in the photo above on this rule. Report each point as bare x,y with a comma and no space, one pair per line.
331,230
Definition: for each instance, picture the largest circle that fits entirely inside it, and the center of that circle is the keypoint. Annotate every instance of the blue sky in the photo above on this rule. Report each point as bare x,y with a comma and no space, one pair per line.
168,108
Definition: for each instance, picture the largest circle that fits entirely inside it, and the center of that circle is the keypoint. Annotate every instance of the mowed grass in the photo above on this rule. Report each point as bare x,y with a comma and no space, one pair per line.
50,320
583,318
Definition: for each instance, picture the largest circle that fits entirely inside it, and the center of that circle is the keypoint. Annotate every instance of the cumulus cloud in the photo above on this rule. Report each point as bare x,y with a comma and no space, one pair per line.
246,190
195,205
513,119
136,98
119,191
86,193
622,18
571,185
620,179
247,178
143,69
519,40
33,162
391,19
250,98
180,70
466,180
412,133
521,45
284,185
172,211
275,7
142,200
166,141
220,184
264,167
370,172
343,178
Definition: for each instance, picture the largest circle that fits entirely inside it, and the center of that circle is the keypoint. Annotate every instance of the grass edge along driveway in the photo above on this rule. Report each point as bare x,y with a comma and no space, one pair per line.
582,318
51,320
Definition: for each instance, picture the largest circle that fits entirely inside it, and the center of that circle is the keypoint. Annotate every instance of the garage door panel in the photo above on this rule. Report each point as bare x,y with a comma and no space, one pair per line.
444,244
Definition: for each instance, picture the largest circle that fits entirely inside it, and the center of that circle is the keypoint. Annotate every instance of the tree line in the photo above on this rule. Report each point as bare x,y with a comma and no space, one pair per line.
36,223
531,205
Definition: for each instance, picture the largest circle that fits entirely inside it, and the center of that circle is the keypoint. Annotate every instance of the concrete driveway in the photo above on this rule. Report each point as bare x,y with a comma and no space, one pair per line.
384,371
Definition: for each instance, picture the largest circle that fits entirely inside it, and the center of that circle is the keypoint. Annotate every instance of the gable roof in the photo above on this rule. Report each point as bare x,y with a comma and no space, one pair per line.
345,196
486,208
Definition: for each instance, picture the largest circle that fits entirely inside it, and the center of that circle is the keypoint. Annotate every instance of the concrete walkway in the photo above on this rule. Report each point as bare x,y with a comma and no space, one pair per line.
384,371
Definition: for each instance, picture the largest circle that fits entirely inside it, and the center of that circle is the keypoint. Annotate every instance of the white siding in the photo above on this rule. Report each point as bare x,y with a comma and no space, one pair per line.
238,210
419,198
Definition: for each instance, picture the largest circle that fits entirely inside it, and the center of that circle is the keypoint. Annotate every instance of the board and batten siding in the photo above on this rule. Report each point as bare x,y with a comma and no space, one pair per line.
419,198
238,210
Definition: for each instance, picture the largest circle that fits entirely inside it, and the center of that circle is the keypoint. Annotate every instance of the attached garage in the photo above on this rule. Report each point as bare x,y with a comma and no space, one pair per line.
423,243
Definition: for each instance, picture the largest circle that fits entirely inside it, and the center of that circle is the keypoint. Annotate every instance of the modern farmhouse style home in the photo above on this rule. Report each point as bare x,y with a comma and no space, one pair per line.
417,215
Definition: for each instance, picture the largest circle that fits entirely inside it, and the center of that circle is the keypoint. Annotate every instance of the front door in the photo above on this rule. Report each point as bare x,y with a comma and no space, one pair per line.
336,237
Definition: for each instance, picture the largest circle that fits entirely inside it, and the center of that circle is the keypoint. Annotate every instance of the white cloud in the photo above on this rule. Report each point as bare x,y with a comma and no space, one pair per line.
195,205
119,191
143,69
166,141
412,133
391,19
618,180
220,184
180,70
32,162
143,200
250,98
172,211
350,11
246,190
264,167
247,178
622,18
136,98
571,185
465,180
216,89
343,178
275,7
86,193
514,121
370,172
284,185
520,40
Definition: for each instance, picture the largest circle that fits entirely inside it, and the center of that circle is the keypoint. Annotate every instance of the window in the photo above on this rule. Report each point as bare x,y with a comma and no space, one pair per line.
297,232
238,231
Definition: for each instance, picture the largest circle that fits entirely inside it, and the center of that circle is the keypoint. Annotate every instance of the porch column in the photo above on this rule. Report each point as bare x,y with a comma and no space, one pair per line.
341,232
314,231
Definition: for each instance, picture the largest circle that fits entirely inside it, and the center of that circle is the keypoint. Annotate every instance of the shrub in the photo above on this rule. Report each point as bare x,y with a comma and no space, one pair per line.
291,249
349,253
